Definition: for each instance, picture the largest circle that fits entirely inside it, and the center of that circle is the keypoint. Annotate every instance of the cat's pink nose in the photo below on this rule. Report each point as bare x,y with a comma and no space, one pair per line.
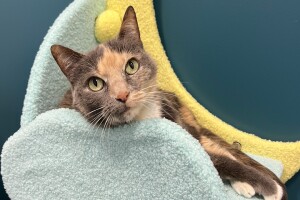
122,96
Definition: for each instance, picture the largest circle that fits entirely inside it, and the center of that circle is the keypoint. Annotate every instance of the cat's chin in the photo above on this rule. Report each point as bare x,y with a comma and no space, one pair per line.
128,114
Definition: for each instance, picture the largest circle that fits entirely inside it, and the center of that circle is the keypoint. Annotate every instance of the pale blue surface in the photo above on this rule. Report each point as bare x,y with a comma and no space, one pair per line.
60,156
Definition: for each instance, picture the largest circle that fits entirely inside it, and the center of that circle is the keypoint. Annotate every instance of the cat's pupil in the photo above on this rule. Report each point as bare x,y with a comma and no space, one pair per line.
95,82
131,65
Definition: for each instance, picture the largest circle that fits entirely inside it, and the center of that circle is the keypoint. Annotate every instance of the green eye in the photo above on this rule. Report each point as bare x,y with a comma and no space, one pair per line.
132,66
96,84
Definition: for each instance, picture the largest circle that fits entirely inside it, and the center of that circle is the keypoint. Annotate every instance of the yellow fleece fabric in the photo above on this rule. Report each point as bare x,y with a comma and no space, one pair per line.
107,26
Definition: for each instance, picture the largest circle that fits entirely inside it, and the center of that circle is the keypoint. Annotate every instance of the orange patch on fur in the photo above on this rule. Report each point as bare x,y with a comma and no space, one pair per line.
111,69
112,63
212,147
188,118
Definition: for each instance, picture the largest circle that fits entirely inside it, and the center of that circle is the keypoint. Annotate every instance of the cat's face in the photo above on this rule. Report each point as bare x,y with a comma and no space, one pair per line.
114,82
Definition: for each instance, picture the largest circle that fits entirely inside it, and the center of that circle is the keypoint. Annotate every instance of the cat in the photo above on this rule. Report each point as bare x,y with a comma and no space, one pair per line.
115,84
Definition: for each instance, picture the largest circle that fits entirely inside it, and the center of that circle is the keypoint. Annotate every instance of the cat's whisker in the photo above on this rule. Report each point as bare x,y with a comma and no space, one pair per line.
92,117
105,124
151,86
137,98
154,95
144,92
105,121
141,92
94,110
104,118
108,111
109,123
94,122
161,92
95,117
98,115
101,116
168,105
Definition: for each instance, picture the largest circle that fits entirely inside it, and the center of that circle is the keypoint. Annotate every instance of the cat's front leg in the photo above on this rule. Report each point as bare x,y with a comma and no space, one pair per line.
246,190
246,176
246,180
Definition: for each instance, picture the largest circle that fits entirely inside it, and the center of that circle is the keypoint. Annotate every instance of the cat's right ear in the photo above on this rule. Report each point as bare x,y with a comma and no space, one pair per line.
65,58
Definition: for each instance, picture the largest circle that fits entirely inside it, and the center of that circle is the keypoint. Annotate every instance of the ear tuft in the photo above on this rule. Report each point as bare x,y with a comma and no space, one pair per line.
129,28
65,58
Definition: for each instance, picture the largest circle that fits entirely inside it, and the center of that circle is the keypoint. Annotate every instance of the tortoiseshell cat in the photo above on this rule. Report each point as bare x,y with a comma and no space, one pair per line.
116,83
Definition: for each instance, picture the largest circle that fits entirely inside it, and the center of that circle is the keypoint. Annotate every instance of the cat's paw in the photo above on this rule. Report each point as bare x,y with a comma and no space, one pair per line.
277,196
243,188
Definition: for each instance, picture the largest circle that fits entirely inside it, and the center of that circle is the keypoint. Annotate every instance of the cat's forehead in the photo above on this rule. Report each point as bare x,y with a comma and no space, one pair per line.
111,62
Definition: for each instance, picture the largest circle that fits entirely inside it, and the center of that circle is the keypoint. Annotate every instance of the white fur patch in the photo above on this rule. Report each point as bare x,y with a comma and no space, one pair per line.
143,111
149,111
243,188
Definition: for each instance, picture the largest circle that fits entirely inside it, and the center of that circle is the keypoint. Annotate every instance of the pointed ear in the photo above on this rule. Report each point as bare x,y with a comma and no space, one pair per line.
130,28
65,58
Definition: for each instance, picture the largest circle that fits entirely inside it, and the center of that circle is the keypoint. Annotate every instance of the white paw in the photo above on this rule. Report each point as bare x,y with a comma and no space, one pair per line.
277,196
243,188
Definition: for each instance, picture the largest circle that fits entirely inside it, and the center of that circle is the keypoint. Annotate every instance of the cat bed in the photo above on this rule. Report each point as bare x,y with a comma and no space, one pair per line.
60,156
55,155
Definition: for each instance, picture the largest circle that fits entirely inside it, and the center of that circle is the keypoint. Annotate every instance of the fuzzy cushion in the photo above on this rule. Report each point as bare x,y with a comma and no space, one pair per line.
60,156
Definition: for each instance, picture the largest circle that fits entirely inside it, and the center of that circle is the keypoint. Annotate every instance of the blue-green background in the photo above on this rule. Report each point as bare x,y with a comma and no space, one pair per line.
239,58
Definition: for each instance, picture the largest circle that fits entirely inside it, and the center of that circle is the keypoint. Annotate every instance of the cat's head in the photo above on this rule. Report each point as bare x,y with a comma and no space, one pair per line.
113,82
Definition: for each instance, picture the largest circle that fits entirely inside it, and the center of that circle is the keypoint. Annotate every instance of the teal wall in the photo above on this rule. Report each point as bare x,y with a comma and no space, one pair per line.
236,70
241,60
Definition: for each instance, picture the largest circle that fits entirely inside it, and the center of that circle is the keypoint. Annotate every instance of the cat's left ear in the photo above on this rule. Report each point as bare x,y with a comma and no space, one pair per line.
130,28
65,58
